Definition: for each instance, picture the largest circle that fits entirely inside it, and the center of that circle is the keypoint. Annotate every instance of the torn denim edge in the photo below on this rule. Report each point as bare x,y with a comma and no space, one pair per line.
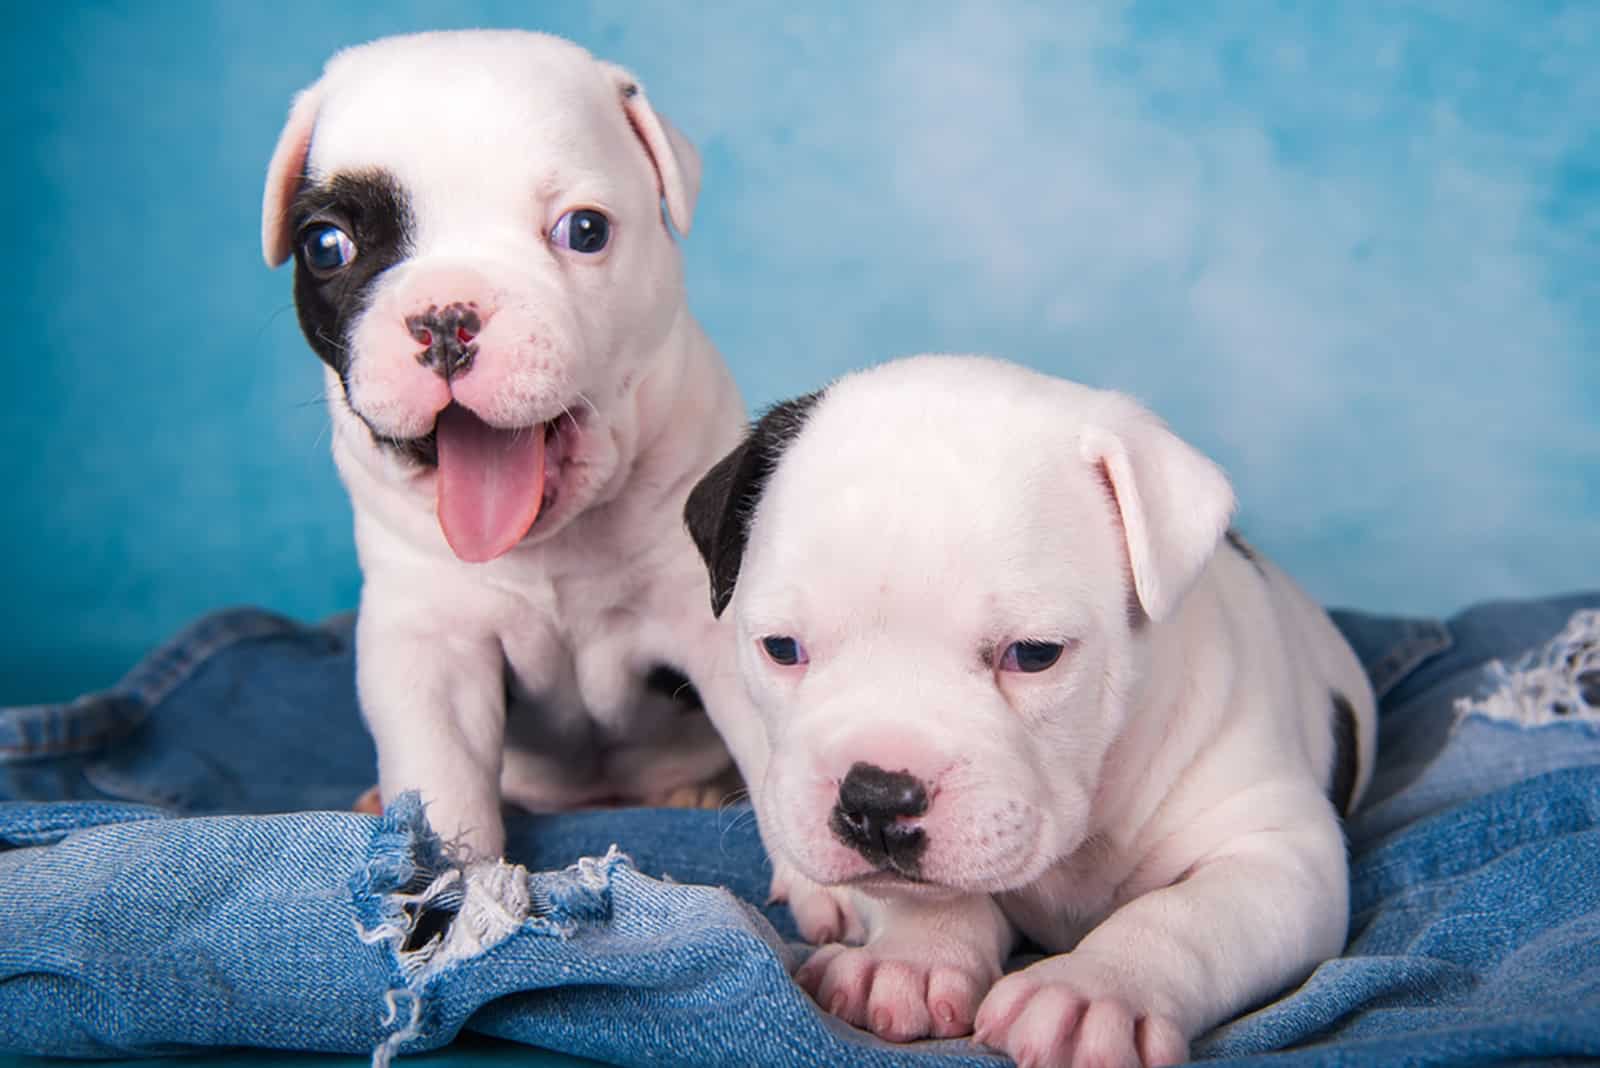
1557,682
412,873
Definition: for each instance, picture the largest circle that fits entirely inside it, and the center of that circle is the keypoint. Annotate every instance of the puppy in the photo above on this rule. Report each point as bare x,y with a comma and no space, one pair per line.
521,402
1023,685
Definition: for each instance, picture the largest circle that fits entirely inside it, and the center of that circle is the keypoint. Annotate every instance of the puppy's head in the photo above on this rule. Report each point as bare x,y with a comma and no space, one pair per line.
482,260
943,572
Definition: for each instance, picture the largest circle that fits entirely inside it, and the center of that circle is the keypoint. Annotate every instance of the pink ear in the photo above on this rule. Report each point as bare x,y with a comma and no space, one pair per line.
283,176
676,162
1175,504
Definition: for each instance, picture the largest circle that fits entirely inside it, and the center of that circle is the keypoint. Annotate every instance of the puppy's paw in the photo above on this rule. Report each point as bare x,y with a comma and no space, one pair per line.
1062,1013
895,995
821,913
369,803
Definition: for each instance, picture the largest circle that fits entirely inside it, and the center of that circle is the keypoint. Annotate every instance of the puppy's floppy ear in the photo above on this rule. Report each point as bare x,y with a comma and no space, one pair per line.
722,504
676,162
1174,503
283,176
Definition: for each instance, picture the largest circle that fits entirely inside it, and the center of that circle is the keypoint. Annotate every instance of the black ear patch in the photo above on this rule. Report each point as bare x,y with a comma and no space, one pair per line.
1342,779
722,503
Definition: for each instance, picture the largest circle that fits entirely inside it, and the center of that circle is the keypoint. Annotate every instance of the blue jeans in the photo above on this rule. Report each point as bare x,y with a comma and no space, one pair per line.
171,882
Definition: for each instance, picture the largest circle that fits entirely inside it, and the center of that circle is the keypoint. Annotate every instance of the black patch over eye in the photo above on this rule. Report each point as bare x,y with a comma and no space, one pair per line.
584,230
783,650
326,249
1030,657
372,212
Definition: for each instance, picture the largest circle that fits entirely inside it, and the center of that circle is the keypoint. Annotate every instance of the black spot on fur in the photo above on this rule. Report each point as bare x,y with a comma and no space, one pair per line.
1342,780
440,331
671,682
373,208
423,450
722,503
1243,548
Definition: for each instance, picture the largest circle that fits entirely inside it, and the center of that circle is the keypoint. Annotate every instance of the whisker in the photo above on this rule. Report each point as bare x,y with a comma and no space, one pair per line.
725,827
267,323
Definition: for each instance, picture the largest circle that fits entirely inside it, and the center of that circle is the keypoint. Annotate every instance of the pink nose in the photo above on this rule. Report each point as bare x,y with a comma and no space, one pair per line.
447,336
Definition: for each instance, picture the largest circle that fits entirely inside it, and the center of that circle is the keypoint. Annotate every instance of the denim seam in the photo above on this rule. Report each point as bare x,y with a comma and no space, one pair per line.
1425,640
154,678
144,687
80,727
86,744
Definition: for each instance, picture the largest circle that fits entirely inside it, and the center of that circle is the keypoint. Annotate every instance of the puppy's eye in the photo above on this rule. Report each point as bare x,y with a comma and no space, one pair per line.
584,230
784,650
327,249
1030,657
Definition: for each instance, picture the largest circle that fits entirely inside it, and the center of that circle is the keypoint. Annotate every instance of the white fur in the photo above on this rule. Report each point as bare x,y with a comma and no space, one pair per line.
1151,809
493,136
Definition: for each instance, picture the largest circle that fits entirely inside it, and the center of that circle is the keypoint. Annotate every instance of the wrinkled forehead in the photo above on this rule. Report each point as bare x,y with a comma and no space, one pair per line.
928,521
486,129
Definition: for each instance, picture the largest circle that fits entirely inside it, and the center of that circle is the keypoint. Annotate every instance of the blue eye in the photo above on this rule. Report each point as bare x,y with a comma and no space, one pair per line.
784,650
1030,657
327,249
584,230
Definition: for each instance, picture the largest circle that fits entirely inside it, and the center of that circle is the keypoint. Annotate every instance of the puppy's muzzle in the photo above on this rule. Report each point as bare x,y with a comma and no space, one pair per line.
448,335
874,817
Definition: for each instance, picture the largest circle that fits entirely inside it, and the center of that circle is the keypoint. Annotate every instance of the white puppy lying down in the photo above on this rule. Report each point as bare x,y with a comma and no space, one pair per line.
1021,682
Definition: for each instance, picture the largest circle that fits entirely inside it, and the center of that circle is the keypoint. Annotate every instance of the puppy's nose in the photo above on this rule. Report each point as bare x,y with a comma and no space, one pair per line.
448,336
873,813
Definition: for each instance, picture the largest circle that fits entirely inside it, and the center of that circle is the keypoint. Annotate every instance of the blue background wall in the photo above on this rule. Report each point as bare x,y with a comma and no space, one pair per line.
1352,250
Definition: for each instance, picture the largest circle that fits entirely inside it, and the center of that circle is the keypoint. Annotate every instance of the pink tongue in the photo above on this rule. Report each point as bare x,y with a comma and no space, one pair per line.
491,483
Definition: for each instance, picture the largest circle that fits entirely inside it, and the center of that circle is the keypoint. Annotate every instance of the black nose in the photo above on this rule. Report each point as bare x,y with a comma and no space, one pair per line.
448,335
873,813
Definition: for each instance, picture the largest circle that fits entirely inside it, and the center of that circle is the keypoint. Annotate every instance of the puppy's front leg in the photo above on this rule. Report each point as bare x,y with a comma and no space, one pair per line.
923,970
821,913
435,705
1244,922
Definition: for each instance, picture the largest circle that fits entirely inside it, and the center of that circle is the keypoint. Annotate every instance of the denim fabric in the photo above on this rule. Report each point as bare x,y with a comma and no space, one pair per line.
155,904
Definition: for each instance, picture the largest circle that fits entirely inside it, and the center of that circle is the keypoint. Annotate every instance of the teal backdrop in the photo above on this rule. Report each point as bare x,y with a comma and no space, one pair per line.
1353,250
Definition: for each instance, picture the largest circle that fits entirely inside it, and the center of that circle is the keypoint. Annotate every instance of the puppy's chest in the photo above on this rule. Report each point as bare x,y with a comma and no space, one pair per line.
568,681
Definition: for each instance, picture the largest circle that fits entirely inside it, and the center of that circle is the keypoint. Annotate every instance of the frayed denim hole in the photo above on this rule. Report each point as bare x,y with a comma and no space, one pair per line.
1556,682
427,924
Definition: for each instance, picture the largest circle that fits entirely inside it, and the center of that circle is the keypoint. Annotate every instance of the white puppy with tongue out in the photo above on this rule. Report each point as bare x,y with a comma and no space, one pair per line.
520,402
